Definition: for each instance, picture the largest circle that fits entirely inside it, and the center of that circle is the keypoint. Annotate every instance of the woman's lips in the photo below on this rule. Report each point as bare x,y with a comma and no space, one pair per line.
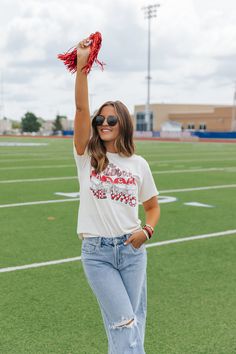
105,131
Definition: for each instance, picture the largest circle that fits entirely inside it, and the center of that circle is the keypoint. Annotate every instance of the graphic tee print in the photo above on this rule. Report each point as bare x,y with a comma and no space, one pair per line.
109,200
115,184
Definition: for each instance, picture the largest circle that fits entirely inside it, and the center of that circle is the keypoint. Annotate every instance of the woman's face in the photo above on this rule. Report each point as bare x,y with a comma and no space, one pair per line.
105,131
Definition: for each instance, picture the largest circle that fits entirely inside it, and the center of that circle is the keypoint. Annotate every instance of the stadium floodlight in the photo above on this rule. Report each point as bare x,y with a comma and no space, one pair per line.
233,124
1,97
150,11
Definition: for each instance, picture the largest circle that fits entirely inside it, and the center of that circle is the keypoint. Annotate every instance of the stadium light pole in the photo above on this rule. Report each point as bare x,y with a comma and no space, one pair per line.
91,99
1,97
233,124
150,11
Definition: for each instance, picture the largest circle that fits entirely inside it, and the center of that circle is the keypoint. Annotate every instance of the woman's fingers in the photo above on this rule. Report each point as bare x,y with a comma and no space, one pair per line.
88,42
85,43
83,51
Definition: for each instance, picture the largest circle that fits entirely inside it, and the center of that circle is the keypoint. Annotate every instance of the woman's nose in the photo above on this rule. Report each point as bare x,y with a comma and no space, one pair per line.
105,122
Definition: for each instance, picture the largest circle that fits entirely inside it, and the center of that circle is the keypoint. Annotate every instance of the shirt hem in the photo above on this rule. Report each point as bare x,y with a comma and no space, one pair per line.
83,235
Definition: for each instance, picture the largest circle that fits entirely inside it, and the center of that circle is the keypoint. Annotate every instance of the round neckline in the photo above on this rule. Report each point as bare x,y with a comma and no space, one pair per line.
112,153
116,155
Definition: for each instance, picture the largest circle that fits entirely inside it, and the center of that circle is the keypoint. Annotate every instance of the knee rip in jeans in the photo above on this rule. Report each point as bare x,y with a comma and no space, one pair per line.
124,323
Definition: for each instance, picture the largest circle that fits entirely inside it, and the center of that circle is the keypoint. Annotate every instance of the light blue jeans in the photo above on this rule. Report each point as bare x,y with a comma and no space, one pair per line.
116,274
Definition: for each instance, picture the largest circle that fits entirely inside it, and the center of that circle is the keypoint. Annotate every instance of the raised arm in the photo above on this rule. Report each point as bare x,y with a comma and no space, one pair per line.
82,123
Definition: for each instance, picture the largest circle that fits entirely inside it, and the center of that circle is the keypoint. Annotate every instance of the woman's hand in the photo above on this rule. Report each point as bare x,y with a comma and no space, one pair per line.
137,239
83,51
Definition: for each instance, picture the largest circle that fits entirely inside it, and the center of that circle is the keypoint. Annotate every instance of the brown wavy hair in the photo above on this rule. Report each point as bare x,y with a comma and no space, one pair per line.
124,143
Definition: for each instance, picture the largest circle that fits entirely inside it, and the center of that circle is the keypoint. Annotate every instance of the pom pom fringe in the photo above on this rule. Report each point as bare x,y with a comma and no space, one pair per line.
70,57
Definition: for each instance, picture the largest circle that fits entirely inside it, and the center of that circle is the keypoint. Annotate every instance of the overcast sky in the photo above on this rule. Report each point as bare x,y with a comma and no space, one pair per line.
193,53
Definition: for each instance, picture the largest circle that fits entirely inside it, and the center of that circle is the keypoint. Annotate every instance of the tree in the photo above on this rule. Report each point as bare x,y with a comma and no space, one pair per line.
57,123
16,125
30,122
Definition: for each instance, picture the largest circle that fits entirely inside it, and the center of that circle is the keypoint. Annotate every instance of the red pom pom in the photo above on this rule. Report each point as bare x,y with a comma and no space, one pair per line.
70,57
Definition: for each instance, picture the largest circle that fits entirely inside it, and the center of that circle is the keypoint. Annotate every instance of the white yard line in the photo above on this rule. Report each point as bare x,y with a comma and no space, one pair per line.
35,159
189,170
222,186
191,238
158,154
68,157
37,179
38,202
190,153
154,244
24,153
161,191
34,167
17,144
190,160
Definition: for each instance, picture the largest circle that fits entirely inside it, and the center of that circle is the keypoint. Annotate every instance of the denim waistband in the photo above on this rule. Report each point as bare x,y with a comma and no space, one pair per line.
116,240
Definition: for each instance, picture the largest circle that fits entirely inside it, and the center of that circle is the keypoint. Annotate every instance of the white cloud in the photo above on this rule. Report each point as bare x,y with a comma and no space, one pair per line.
193,52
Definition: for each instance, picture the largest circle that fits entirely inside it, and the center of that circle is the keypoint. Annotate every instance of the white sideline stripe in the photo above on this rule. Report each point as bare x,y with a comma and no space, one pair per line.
154,244
75,199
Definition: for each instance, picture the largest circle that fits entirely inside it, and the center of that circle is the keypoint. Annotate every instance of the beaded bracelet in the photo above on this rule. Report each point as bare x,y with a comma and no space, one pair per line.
149,229
146,233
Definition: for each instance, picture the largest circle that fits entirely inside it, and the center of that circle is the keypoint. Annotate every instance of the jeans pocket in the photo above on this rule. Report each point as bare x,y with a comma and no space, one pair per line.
141,248
88,246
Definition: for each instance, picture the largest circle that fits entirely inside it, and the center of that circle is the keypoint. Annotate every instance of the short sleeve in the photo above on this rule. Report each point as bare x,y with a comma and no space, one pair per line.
80,160
148,187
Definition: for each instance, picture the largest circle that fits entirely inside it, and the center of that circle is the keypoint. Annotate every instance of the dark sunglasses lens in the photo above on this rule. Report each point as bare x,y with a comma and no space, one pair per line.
112,120
98,120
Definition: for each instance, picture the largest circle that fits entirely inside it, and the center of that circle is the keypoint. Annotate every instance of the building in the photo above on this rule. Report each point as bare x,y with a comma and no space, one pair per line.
171,126
47,125
190,117
5,125
67,124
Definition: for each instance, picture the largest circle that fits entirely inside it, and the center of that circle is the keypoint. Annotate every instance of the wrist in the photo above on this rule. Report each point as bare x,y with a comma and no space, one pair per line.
149,230
80,67
146,234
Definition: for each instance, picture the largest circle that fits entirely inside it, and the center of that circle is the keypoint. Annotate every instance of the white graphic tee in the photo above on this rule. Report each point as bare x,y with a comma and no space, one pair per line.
109,200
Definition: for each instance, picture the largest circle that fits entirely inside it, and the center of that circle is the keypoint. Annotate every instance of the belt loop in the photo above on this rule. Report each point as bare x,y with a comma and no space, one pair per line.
99,242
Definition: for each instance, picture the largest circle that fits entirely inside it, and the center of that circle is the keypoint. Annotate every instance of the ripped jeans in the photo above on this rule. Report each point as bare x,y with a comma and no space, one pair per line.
116,274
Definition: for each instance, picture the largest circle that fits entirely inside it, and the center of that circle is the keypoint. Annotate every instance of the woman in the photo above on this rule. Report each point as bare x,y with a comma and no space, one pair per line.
112,180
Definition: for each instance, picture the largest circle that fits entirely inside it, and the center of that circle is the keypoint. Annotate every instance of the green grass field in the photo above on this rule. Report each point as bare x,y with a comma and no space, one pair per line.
191,285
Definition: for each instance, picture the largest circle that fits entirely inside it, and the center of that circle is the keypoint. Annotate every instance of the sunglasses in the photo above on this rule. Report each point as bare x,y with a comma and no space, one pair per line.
98,120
